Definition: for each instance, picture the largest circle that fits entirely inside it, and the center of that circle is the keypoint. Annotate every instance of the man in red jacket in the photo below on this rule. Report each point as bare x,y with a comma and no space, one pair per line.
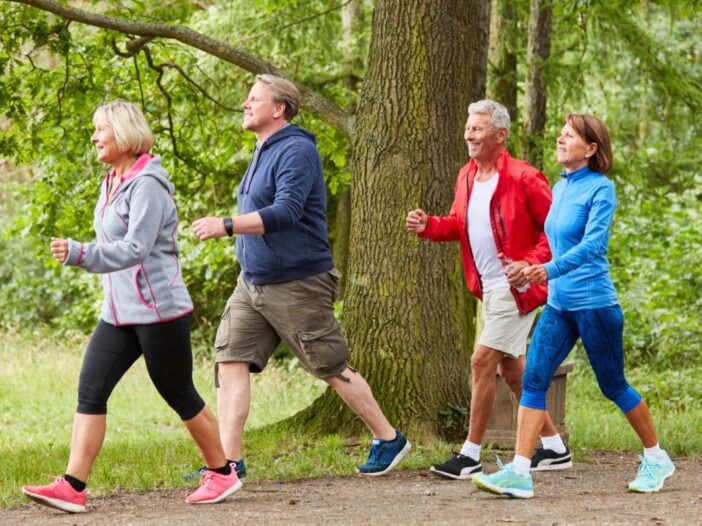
498,217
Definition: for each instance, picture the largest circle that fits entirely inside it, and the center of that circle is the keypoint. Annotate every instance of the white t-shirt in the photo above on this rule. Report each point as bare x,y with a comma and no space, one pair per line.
482,242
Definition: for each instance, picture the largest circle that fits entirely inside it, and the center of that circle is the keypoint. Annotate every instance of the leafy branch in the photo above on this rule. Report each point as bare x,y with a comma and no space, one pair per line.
317,104
133,50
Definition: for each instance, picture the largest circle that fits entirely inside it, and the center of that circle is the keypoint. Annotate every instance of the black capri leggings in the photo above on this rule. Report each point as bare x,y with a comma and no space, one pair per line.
169,361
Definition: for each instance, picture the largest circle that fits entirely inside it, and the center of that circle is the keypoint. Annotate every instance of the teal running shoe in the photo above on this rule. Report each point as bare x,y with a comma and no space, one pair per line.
505,482
652,474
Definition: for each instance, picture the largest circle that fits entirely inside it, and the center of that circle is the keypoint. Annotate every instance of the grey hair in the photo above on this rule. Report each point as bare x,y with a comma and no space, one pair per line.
498,113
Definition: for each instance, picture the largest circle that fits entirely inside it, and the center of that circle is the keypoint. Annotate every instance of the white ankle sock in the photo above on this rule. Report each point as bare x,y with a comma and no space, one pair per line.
655,452
521,465
554,443
471,450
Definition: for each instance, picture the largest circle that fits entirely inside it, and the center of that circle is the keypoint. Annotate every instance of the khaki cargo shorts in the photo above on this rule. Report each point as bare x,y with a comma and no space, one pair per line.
300,313
505,330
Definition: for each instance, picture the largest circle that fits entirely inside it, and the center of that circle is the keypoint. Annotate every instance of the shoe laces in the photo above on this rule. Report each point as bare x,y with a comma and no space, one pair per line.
56,482
499,462
206,477
375,452
457,456
645,468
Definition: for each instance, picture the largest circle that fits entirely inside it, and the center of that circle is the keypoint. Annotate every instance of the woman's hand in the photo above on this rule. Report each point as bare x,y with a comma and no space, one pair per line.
416,221
59,249
515,273
535,274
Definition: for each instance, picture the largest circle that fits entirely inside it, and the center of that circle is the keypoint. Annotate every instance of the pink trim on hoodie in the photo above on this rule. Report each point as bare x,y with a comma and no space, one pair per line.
160,320
119,216
175,245
142,161
136,287
112,300
80,255
153,296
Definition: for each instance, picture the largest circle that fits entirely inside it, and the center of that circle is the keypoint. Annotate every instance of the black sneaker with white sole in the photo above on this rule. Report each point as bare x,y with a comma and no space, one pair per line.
458,467
549,460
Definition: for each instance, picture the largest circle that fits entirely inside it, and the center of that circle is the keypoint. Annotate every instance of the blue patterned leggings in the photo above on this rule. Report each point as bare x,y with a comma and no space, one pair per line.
555,335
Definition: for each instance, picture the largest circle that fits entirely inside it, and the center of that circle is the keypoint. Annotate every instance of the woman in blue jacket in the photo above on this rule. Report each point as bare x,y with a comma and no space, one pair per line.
582,303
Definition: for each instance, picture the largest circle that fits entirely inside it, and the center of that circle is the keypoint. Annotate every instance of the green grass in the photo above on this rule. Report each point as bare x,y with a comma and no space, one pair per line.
147,446
673,397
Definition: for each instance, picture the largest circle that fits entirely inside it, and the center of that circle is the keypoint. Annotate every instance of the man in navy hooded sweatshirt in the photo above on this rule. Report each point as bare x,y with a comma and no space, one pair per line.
288,284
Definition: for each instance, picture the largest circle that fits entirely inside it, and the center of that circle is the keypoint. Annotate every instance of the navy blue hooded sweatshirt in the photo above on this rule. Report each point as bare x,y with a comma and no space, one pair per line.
285,184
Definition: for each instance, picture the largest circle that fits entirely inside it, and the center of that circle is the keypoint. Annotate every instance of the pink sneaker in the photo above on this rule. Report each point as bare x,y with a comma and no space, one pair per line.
60,494
214,487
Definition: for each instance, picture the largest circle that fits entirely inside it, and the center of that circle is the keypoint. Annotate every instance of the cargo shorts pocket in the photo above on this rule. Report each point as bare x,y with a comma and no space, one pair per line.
324,348
222,338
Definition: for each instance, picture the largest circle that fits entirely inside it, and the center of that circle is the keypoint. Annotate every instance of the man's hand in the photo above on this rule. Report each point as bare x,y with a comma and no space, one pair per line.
416,221
209,227
515,274
535,274
59,249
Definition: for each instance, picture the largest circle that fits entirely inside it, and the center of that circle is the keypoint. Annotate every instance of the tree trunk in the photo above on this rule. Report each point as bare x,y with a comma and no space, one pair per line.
502,77
538,50
353,46
408,318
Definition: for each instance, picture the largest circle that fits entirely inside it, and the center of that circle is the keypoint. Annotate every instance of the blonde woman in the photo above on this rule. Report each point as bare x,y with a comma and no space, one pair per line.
146,309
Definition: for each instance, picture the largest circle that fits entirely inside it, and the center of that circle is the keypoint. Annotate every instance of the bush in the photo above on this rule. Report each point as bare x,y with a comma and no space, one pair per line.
655,255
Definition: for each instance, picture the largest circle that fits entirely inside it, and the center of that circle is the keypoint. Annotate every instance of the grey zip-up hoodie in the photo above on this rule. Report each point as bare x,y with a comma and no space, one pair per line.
136,249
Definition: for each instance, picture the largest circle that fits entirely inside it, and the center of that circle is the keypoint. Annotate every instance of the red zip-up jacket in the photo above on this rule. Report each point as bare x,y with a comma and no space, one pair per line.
518,210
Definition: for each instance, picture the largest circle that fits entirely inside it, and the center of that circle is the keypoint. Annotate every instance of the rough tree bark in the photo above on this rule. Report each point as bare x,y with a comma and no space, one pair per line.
353,45
502,55
538,50
408,318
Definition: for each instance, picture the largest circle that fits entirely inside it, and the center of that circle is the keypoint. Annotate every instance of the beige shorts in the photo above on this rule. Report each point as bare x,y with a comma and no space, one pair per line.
505,330
300,313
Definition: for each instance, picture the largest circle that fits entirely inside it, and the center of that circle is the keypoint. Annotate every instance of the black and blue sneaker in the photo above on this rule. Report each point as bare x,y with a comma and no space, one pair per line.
549,460
385,455
238,466
458,467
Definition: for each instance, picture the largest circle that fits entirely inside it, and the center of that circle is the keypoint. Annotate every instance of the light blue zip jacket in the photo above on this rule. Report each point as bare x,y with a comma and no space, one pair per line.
136,250
577,228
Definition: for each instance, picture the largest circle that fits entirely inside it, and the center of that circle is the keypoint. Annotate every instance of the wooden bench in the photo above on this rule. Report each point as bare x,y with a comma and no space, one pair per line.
502,426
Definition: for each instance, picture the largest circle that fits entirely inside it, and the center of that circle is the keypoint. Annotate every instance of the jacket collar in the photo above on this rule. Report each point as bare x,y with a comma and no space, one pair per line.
502,161
580,173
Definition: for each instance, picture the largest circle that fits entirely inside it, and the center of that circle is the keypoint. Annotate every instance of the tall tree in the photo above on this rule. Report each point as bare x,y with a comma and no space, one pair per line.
502,55
353,47
407,316
408,319
538,49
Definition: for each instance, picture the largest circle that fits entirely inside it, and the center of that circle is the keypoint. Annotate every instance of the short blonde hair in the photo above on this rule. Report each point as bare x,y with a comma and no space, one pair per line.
132,132
284,92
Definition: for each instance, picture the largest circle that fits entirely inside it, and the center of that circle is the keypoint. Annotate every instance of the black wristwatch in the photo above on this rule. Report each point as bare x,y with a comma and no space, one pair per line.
228,225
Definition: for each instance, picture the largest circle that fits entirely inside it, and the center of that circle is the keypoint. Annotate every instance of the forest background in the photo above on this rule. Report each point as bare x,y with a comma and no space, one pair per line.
390,134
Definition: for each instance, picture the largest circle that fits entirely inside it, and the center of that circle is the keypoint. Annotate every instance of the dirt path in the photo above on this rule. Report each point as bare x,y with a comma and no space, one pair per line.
587,494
